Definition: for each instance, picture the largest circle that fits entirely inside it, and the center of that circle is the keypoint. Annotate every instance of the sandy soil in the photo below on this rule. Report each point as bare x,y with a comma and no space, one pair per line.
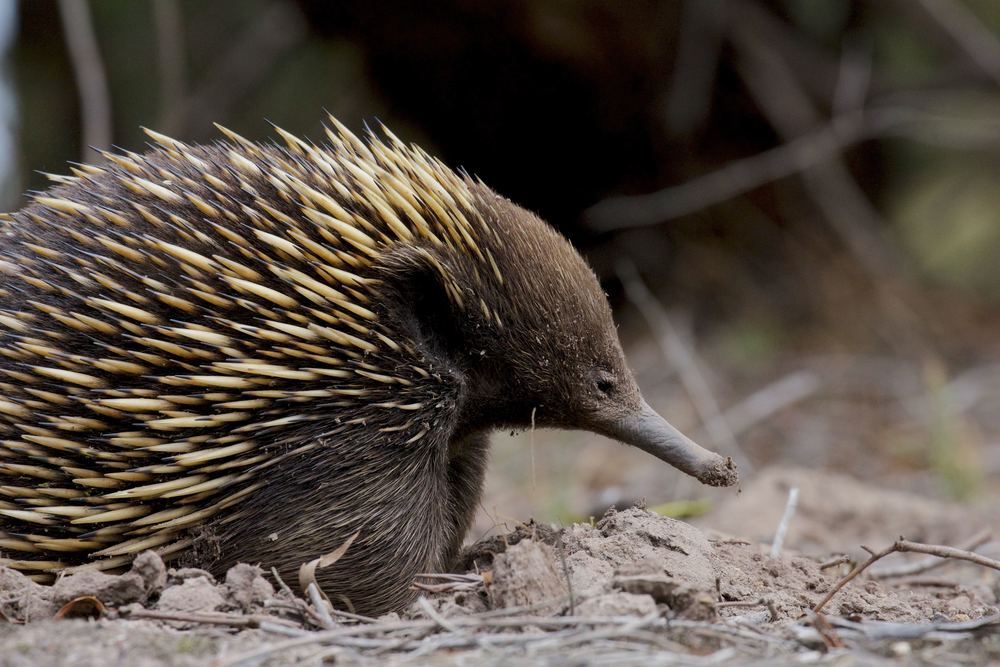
631,588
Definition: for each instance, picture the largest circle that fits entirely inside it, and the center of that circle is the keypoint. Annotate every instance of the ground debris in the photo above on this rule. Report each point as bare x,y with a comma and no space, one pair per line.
631,588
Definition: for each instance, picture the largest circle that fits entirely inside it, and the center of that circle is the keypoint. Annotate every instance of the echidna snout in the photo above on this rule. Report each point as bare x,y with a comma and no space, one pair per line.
246,352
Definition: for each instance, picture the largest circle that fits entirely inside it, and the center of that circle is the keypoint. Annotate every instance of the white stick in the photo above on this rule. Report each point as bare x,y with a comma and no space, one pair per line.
779,535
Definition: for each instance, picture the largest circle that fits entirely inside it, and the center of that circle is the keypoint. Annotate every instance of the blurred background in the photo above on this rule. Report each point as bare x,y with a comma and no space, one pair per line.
792,204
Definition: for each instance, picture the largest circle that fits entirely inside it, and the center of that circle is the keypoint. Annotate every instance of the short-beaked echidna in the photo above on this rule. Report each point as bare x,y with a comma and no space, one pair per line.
253,352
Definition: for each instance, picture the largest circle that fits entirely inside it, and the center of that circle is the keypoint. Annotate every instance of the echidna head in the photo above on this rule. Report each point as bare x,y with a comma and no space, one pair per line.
534,340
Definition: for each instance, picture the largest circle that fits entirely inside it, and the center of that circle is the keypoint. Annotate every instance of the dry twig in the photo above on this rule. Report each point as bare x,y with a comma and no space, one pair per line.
297,604
431,613
841,559
905,546
826,632
452,583
227,620
320,605
569,580
923,565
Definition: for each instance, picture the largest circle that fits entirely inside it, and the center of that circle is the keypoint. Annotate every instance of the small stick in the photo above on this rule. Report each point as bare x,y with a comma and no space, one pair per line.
826,631
353,617
312,590
432,614
729,604
942,551
918,582
282,584
91,78
451,582
300,605
451,576
818,609
743,175
772,609
439,588
835,561
228,620
923,565
779,535
276,629
905,546
569,581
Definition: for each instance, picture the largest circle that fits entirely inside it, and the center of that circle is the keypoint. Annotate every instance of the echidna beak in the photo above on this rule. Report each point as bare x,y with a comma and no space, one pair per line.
652,433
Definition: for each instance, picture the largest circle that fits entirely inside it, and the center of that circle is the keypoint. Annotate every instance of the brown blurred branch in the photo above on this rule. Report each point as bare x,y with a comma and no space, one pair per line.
685,360
741,176
775,89
898,116
968,32
771,399
854,77
252,56
91,81
169,26
784,102
699,49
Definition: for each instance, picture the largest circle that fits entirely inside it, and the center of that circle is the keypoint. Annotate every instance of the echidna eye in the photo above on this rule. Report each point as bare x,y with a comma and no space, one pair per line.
605,386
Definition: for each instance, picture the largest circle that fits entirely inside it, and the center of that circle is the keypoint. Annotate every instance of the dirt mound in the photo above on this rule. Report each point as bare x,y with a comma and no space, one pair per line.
634,560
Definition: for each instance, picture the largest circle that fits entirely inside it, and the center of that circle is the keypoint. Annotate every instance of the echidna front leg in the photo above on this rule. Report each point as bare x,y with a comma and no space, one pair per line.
466,471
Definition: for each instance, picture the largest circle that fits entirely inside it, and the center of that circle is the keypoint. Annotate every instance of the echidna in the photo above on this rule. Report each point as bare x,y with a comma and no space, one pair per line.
253,352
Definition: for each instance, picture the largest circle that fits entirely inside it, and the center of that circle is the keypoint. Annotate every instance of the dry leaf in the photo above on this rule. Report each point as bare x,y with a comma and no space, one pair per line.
307,571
